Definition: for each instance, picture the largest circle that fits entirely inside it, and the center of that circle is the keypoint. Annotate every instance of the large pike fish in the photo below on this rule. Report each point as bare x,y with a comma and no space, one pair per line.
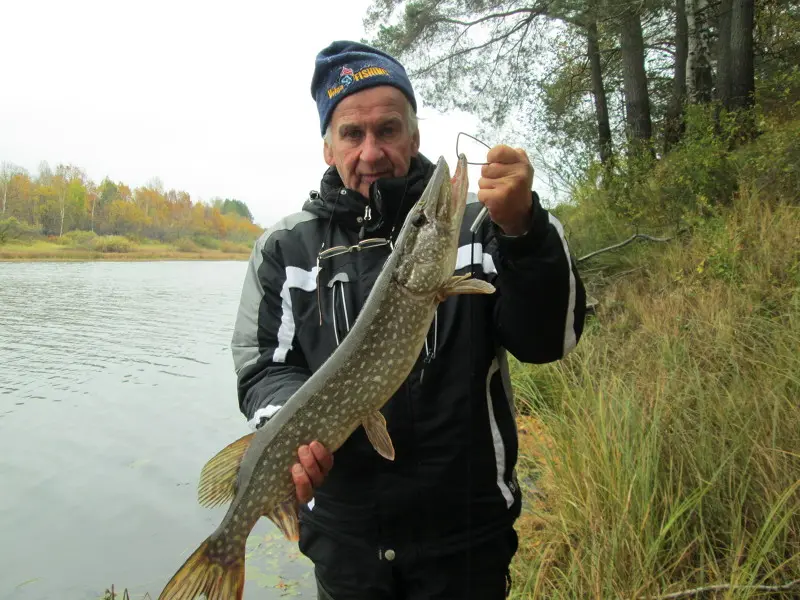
346,392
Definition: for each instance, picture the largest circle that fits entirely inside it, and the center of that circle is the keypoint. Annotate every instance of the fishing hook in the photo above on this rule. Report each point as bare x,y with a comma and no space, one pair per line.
484,211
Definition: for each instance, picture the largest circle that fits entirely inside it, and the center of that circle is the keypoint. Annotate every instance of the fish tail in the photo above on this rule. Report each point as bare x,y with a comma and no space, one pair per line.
203,574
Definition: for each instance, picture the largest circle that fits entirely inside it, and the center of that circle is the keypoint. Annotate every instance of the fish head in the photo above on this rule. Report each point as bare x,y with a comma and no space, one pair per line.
428,243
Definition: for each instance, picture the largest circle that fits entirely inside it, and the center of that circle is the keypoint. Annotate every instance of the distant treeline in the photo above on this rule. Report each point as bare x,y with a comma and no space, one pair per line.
56,202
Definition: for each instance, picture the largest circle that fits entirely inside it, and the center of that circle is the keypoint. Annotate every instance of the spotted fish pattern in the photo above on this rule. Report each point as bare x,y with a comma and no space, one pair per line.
346,392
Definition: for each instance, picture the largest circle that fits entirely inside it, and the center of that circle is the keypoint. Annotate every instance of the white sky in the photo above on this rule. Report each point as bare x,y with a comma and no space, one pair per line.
211,97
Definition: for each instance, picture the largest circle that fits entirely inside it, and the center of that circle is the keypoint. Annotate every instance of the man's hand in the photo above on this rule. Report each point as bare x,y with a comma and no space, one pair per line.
310,472
505,188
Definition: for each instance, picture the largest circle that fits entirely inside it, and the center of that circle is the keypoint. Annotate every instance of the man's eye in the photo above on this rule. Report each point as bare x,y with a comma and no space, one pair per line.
352,134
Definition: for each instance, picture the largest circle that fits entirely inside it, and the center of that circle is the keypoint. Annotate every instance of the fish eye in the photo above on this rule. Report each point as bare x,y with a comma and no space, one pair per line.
419,220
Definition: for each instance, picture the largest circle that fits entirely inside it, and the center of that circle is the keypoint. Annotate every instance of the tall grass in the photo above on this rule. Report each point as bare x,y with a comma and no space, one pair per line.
666,448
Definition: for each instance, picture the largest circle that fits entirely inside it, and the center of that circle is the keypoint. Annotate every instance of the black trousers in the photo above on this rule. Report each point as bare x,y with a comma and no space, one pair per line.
349,572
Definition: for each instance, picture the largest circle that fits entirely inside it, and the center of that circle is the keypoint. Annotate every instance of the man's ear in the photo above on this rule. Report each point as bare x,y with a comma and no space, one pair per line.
415,143
327,152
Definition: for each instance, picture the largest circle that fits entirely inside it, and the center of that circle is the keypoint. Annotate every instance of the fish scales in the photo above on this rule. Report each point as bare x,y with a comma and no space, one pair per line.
330,415
346,392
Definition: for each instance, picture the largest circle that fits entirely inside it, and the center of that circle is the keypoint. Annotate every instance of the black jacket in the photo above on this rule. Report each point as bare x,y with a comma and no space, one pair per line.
452,422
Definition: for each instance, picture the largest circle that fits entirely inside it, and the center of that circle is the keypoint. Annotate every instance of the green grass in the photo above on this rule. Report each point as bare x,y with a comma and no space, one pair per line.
77,247
666,447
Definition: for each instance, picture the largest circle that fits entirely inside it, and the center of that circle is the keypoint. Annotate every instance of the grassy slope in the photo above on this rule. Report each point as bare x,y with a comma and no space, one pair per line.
48,251
665,449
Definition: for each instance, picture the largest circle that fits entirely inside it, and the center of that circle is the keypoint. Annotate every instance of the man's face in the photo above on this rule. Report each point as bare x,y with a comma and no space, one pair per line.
370,137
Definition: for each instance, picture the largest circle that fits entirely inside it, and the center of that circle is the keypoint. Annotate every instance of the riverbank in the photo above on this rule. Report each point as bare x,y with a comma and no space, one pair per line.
42,251
661,455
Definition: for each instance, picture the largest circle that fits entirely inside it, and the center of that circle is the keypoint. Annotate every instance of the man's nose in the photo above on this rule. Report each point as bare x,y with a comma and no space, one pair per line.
371,151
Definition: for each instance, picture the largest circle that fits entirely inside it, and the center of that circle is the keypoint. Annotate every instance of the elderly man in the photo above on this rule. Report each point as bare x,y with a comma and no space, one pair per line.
437,522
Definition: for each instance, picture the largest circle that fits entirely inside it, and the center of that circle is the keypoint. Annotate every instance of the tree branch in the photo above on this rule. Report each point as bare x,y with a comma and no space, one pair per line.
510,13
425,70
625,243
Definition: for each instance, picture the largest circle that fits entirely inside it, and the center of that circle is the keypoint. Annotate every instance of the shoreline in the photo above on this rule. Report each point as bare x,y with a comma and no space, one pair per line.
133,256
120,250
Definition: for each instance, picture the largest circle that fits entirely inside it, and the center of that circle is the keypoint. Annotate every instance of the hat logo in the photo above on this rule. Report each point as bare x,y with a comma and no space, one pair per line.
347,76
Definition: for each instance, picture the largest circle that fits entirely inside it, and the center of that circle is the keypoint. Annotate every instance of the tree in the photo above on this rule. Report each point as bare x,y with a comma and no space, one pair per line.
673,127
21,198
604,143
637,99
91,196
699,80
723,86
742,74
63,182
7,172
502,62
236,207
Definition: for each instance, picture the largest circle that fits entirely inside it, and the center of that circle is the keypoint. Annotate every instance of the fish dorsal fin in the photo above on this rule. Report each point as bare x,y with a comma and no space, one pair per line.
463,284
375,426
218,478
285,516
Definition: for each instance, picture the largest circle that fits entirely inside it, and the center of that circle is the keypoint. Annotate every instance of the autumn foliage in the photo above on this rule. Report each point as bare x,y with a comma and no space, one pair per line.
55,203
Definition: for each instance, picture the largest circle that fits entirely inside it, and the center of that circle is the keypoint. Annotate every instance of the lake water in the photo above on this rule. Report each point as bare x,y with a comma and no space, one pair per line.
116,386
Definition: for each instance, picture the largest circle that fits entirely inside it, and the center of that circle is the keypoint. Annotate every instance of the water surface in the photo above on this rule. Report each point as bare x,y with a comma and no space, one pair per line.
116,386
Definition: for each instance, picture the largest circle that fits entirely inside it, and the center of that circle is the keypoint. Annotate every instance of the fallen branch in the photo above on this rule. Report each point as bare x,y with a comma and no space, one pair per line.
726,586
625,243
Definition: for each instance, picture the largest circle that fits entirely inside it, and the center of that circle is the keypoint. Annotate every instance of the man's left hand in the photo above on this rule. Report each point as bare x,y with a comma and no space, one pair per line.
505,188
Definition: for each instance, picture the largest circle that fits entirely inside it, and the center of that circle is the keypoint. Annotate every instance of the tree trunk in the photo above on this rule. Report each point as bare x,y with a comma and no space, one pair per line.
742,77
600,105
724,53
5,180
634,78
674,126
62,200
699,80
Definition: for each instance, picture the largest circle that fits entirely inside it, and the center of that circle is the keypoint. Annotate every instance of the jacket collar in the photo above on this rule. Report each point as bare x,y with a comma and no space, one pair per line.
388,204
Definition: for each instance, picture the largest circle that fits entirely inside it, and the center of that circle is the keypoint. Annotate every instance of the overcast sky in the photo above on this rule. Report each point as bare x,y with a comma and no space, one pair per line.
211,97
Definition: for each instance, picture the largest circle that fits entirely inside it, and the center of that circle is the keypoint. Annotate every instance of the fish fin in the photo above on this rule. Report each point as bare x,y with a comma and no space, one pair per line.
218,478
204,575
375,426
285,516
463,284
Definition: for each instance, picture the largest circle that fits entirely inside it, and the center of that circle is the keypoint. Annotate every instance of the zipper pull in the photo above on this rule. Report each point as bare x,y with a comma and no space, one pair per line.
367,217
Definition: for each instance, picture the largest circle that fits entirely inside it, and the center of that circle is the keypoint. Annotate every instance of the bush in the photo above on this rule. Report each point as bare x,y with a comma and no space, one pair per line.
207,242
773,160
112,243
231,248
186,245
697,174
78,239
13,230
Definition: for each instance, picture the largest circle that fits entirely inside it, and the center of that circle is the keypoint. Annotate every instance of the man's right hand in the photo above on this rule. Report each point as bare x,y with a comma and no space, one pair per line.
310,472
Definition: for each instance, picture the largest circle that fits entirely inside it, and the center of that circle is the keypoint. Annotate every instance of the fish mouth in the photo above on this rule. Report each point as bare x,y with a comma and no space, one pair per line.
448,202
459,184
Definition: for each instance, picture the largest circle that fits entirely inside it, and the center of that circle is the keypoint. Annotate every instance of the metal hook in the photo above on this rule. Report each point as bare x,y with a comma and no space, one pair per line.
460,133
484,211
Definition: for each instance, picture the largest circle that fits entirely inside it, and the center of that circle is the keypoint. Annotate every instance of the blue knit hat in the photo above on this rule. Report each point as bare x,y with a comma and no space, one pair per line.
345,67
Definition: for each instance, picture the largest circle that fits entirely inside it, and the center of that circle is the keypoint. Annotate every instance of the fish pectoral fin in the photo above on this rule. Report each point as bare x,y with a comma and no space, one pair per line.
218,478
285,516
464,284
375,426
